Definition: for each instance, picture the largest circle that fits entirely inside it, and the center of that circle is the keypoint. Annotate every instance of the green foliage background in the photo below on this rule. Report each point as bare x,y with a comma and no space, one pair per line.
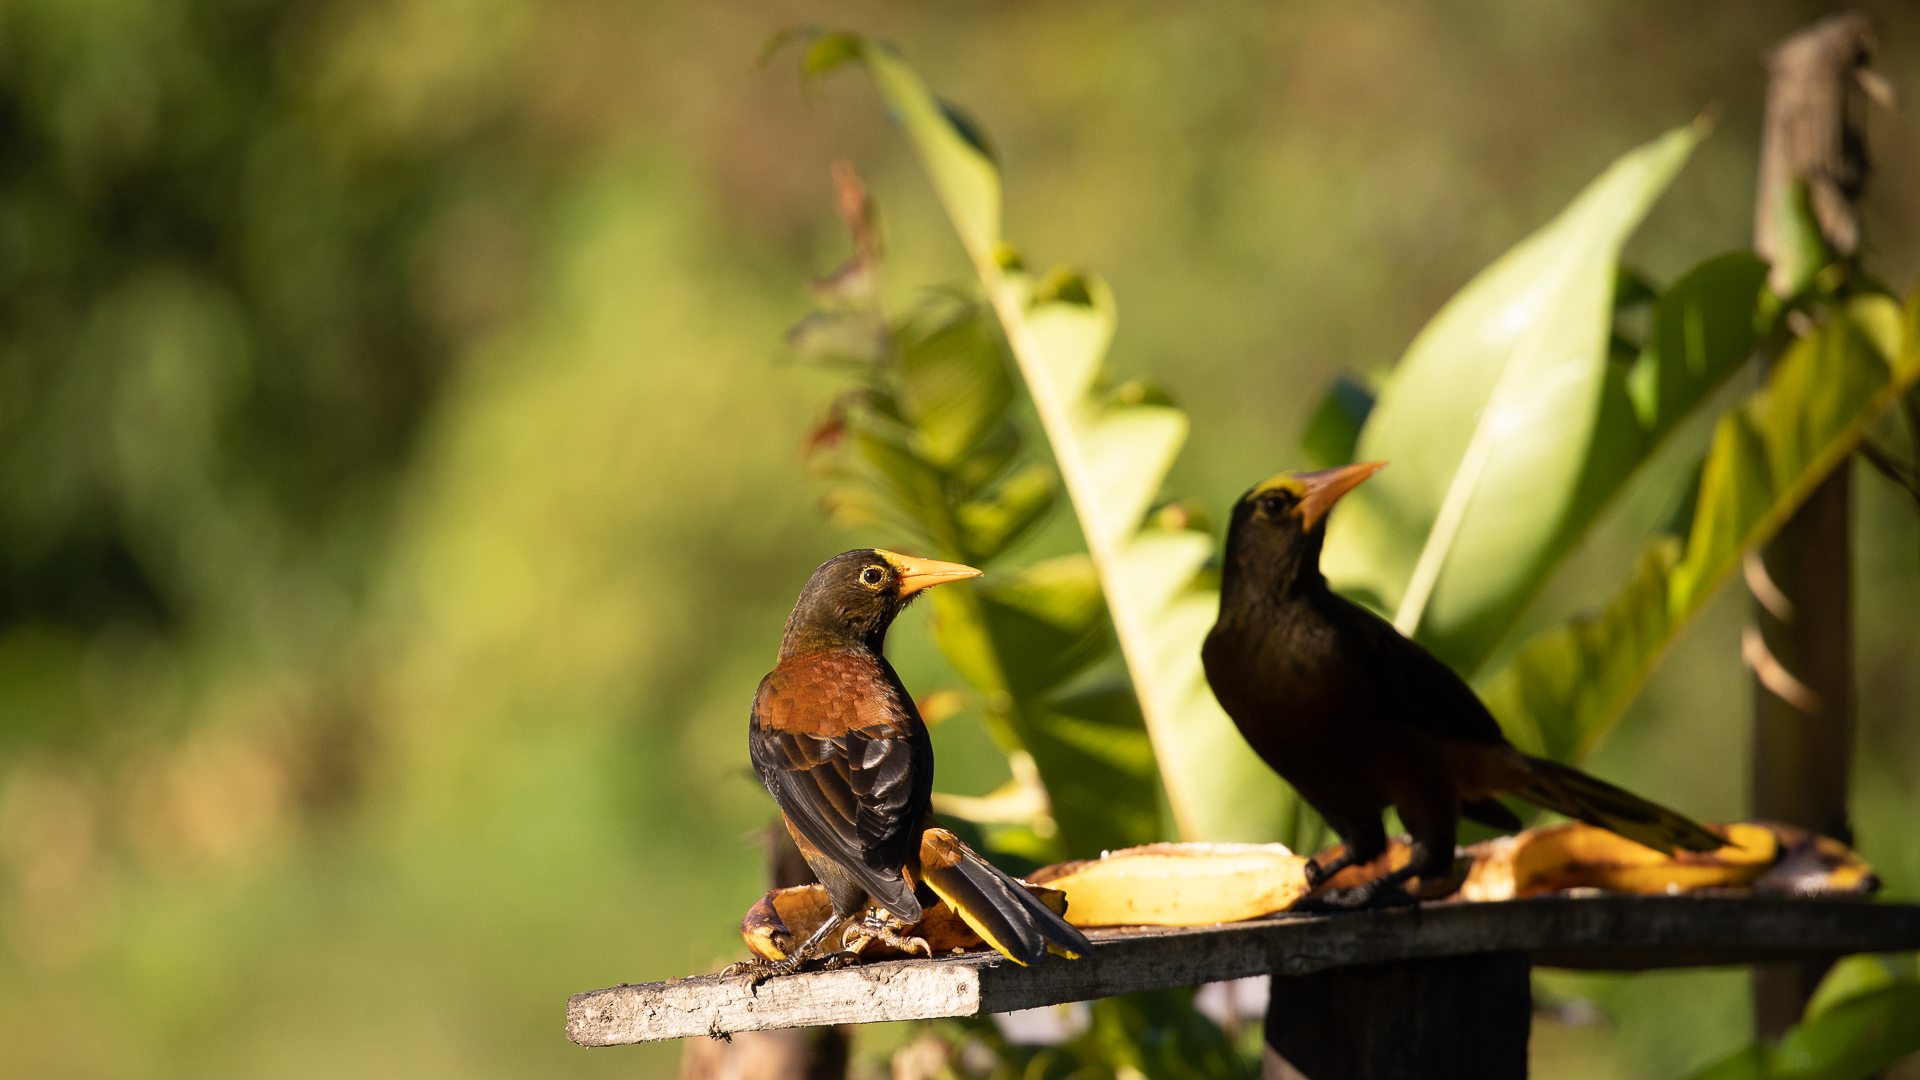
402,488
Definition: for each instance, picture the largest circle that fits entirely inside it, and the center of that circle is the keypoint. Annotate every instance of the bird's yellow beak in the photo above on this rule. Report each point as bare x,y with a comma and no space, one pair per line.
1324,488
916,574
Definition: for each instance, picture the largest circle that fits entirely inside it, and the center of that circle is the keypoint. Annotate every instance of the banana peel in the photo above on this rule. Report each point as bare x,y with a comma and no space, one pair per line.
1815,865
1179,884
782,919
1579,856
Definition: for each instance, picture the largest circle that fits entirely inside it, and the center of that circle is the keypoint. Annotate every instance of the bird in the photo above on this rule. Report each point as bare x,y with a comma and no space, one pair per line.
1357,717
837,741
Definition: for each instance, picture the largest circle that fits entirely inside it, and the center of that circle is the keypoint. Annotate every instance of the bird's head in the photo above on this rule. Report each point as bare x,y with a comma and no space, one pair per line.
1277,528
854,596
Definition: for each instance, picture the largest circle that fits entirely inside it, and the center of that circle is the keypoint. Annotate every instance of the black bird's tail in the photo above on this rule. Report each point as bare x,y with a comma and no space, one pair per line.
997,907
1571,792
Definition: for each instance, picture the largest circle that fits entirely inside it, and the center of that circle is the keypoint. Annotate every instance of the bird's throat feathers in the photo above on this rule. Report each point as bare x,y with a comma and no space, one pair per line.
1269,564
819,622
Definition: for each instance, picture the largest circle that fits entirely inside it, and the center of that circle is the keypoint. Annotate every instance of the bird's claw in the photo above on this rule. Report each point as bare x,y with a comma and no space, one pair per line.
759,970
884,928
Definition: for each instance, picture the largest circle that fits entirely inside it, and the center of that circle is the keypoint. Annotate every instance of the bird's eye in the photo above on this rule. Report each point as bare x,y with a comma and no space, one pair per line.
1271,504
873,575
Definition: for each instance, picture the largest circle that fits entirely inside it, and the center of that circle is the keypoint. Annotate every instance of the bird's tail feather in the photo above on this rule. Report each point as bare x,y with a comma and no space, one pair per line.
997,907
1571,792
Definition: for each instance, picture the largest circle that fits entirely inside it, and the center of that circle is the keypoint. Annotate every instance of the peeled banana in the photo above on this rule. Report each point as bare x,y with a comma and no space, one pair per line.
1179,884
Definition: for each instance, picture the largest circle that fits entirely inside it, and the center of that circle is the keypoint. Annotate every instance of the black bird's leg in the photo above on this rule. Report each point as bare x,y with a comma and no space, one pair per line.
1317,874
883,926
1385,891
760,971
1430,860
1362,839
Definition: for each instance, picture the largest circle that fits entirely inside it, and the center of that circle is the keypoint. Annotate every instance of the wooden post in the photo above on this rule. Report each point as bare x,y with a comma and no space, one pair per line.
1800,644
1458,1018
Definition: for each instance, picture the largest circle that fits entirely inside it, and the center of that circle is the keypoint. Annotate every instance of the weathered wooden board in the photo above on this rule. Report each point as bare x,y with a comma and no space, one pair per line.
1599,932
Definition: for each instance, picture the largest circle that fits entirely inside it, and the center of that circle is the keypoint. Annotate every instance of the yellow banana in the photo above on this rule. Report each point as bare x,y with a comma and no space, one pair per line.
1179,884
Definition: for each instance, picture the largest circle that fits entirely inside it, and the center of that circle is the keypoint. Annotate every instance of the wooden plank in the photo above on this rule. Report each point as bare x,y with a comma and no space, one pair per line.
1599,932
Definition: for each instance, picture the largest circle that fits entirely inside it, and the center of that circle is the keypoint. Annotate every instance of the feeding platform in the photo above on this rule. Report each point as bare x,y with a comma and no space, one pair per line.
1433,961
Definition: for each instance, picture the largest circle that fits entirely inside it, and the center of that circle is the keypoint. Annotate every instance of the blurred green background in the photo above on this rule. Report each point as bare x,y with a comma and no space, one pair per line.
400,485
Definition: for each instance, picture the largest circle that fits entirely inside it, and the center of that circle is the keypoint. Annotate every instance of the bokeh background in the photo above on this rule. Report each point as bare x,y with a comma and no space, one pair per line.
400,483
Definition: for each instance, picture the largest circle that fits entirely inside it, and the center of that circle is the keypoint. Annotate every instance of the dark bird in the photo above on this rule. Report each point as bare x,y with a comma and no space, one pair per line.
843,751
1357,717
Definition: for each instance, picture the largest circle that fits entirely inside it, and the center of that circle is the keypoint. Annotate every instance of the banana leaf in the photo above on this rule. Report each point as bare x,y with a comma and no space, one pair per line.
1509,423
1113,452
927,445
1567,685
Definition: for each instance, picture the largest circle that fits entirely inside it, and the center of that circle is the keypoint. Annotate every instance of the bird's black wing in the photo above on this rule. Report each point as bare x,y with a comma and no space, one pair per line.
841,750
1414,685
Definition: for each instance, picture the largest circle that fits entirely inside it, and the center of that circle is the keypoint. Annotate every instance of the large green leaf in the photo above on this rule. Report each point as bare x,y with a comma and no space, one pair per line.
1112,456
1493,420
1568,684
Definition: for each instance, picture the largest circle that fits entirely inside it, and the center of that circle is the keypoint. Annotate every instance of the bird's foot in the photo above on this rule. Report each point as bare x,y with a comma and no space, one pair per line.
1379,893
883,927
1316,876
759,970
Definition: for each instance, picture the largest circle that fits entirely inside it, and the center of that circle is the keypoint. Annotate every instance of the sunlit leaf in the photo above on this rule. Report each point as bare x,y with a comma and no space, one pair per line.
1049,621
965,177
994,523
1854,1039
1112,455
1860,1020
1802,247
954,386
1489,420
1020,641
1703,330
1852,976
1568,684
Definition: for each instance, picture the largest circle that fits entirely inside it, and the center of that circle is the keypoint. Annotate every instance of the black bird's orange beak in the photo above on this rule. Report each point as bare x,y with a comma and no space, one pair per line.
1324,488
916,574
